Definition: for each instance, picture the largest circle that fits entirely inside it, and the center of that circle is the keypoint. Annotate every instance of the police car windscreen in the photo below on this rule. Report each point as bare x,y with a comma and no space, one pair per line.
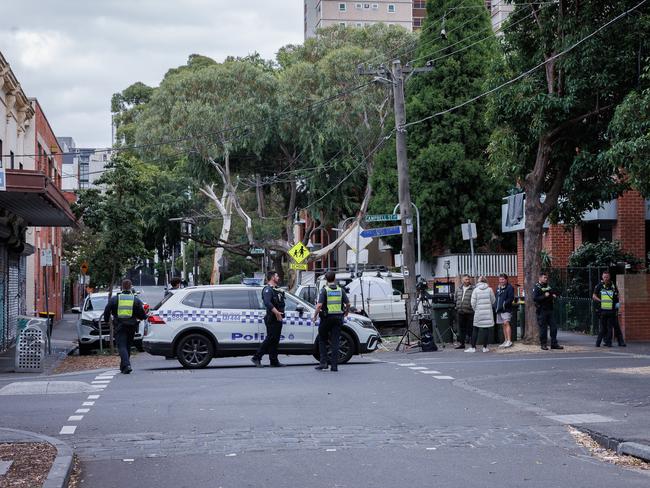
96,304
167,297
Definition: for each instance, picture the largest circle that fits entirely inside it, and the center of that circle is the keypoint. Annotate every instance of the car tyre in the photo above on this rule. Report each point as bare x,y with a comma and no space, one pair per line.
346,348
139,346
85,349
194,351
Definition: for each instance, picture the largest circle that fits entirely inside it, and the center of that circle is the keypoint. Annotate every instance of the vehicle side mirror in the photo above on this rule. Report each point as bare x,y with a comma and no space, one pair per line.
75,310
300,309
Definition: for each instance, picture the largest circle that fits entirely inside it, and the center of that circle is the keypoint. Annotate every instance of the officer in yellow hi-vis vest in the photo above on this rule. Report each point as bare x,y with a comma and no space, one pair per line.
127,311
606,297
333,305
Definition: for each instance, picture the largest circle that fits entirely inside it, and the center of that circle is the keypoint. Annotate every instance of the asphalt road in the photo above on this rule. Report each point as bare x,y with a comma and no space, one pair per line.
387,419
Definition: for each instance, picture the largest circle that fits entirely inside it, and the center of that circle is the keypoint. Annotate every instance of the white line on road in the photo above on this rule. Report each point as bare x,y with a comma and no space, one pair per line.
330,450
417,368
68,429
103,377
430,371
551,357
82,410
100,382
87,404
444,377
75,418
93,397
406,364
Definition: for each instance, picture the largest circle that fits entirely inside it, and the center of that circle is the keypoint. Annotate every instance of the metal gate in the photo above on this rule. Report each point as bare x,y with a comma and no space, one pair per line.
13,297
3,298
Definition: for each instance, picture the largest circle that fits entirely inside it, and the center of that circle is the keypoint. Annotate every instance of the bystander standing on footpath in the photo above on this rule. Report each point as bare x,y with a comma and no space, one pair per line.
505,296
482,302
464,311
607,298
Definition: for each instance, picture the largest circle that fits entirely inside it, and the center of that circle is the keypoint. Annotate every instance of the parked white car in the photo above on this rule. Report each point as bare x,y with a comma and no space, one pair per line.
91,323
197,324
377,295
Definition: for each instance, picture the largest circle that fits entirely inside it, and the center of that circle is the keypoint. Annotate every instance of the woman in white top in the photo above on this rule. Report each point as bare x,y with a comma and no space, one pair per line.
482,301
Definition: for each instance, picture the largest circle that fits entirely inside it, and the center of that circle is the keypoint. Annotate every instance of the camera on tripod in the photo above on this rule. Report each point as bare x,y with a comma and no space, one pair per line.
421,285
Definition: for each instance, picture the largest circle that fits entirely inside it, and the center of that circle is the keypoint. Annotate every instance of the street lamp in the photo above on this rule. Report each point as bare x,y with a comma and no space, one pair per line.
417,221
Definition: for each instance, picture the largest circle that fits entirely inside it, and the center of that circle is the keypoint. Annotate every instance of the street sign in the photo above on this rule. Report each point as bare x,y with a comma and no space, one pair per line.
46,257
469,231
84,267
299,252
383,218
3,180
301,267
382,231
352,256
256,250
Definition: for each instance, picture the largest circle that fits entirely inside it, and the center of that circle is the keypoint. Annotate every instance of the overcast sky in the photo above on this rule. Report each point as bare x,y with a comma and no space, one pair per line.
74,54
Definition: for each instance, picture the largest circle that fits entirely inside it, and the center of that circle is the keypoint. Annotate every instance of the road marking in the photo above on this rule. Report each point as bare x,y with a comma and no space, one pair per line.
417,368
581,418
429,371
406,364
519,359
330,450
128,460
431,448
232,454
100,382
68,429
75,418
93,397
444,377
82,410
100,386
87,404
104,377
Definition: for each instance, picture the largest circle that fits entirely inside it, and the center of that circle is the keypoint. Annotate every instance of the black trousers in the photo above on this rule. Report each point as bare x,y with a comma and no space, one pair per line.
545,322
271,341
609,326
484,332
329,330
465,326
124,335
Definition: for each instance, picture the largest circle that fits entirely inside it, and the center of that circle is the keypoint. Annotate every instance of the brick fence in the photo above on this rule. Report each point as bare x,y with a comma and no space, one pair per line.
635,306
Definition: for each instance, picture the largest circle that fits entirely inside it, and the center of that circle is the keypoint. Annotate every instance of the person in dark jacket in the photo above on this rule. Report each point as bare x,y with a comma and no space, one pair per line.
274,302
544,297
332,307
607,298
505,296
464,311
127,311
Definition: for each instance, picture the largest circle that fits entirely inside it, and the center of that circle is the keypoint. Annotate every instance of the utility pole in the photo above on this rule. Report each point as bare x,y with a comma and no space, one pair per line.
395,77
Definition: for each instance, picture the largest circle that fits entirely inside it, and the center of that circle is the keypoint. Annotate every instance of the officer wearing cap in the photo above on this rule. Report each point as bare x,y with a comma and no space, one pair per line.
333,305
606,297
273,297
127,311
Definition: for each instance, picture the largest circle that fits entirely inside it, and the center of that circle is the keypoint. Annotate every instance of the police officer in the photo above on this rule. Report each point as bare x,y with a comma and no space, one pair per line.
333,305
273,298
606,297
127,311
544,296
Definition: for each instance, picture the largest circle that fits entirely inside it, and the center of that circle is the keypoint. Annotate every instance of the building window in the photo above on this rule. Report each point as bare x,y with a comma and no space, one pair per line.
391,8
366,5
343,7
375,6
1,153
358,6
419,4
342,24
359,24
417,22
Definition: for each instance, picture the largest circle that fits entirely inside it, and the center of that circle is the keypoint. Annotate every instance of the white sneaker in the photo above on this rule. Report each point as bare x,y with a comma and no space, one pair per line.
485,349
508,344
470,349
505,344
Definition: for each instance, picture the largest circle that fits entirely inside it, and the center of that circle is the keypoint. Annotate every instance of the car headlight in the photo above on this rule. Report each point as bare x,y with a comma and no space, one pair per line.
88,323
366,324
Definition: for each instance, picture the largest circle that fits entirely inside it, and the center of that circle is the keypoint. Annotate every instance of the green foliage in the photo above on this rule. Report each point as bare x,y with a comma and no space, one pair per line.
601,254
447,155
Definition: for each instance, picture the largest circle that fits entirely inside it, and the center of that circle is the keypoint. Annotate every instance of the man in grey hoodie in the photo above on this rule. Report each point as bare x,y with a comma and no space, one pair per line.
464,311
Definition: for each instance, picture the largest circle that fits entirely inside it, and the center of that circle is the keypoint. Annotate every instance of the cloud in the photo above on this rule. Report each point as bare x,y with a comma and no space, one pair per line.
74,54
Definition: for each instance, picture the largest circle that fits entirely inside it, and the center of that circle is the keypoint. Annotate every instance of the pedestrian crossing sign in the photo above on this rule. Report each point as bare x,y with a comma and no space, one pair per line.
299,252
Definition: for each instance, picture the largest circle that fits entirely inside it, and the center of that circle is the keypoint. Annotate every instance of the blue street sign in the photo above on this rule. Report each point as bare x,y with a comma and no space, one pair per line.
3,180
382,231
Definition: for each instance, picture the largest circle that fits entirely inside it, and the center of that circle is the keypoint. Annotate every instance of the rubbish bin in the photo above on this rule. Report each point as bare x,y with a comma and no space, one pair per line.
30,342
443,315
50,325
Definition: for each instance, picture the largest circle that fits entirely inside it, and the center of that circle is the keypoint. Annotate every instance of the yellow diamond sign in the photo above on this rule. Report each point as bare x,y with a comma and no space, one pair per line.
299,252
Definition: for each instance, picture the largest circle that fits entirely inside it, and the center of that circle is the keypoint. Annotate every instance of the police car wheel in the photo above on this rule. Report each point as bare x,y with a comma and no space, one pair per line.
195,351
139,347
346,348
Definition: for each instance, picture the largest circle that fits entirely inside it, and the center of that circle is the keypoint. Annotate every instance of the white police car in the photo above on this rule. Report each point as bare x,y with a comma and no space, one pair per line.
197,324
91,323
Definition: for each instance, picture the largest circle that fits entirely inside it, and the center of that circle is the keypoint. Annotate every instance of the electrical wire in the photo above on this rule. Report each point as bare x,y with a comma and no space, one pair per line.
525,73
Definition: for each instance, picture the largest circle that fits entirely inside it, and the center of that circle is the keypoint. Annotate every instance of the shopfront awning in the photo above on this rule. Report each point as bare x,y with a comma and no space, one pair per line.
33,197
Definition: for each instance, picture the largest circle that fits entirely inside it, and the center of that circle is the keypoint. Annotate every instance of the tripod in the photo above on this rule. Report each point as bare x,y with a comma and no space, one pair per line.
421,316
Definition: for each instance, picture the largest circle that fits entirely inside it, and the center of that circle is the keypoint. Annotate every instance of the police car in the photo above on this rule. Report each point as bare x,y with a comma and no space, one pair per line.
197,324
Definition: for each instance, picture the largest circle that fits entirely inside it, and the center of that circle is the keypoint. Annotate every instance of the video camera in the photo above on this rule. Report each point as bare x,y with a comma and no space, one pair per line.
421,285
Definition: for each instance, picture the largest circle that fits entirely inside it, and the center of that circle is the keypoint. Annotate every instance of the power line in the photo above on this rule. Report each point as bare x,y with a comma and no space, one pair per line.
526,73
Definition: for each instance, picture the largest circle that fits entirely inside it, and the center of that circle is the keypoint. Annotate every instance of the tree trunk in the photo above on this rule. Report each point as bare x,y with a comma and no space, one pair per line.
533,233
215,277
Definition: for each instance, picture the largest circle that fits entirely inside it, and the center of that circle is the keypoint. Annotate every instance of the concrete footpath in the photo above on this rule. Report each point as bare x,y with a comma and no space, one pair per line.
64,341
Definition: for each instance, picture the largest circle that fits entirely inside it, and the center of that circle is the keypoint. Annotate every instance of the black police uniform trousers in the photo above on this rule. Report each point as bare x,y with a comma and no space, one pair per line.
545,322
609,326
329,330
124,334
465,327
272,340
